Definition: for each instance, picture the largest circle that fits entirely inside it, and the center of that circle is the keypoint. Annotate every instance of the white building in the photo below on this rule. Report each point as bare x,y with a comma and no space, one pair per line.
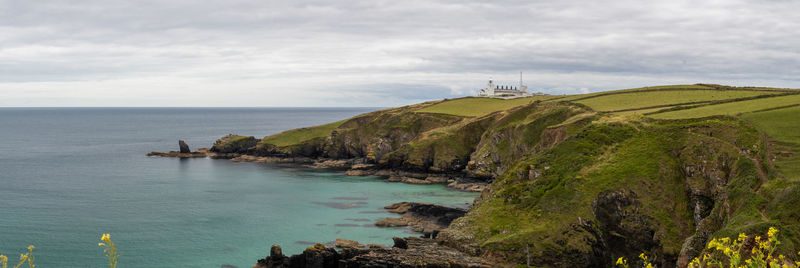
503,91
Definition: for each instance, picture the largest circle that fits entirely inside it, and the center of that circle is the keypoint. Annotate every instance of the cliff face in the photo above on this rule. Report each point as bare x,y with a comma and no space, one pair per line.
617,189
571,187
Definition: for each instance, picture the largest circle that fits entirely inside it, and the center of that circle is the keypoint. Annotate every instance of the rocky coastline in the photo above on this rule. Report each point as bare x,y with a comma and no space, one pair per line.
352,167
425,251
424,218
406,252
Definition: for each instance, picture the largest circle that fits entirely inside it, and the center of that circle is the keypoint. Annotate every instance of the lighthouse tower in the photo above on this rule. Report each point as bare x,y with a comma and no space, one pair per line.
490,88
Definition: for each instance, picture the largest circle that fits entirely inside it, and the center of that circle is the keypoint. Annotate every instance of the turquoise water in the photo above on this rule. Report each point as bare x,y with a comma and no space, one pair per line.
69,174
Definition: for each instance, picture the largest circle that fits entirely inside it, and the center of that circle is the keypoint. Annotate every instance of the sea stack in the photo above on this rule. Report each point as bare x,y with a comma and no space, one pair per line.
183,147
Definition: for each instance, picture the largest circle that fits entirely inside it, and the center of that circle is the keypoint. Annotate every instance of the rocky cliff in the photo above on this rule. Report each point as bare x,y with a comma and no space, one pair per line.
571,187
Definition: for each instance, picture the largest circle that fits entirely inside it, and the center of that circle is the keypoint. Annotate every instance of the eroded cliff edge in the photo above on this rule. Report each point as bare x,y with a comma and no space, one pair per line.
570,187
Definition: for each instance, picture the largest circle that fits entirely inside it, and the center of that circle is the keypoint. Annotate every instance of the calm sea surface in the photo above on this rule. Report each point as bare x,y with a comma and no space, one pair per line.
67,175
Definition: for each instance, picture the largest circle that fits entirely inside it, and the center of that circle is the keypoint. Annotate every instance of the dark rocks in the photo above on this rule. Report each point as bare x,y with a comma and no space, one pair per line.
315,256
625,230
408,252
400,242
202,152
184,149
424,218
275,258
234,144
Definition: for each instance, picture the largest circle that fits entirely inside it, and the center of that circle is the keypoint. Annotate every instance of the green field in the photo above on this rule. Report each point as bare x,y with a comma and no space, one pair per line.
471,106
640,111
782,125
732,108
296,136
668,87
634,100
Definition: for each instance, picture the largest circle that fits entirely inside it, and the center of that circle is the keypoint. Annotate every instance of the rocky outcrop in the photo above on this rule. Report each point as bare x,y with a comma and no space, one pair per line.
407,252
424,218
234,144
184,149
625,231
202,152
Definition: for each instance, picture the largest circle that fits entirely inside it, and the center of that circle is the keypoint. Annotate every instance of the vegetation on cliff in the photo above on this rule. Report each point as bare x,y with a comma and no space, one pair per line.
582,180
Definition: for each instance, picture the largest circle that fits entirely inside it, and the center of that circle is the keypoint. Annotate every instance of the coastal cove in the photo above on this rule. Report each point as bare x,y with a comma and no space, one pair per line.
78,172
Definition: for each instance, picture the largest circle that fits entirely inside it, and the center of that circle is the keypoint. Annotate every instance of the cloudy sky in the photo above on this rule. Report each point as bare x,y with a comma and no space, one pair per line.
379,53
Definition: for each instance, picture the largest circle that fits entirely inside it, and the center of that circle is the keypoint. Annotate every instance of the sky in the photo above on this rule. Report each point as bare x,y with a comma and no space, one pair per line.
375,53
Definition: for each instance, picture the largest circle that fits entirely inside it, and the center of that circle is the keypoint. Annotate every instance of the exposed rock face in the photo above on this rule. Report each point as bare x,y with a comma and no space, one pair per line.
502,146
184,149
427,219
234,144
407,252
625,231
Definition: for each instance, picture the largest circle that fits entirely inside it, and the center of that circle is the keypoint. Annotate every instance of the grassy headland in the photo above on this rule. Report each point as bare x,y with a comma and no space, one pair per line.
581,180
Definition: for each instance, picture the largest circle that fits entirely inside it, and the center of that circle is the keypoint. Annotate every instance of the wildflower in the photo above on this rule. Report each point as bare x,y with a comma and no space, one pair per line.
110,250
742,237
772,231
621,261
642,256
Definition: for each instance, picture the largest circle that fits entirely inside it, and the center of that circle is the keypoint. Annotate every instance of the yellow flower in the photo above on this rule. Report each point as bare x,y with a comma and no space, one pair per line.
649,266
106,237
642,256
101,244
772,231
742,237
620,261
23,257
30,247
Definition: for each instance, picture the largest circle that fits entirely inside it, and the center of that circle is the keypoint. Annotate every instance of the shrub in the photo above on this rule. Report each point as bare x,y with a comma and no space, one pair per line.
728,252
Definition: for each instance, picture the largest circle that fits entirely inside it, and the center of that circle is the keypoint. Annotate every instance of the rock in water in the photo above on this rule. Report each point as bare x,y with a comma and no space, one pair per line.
184,147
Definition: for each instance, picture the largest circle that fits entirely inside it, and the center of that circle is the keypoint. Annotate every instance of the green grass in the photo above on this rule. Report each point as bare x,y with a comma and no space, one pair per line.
641,111
634,100
782,125
472,106
731,108
299,135
668,87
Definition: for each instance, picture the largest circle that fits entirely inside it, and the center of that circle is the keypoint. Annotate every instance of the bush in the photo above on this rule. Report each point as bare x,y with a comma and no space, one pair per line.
732,253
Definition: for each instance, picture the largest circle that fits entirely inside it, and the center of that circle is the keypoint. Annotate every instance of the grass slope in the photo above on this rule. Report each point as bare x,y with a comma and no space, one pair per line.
635,100
731,108
299,135
473,106
782,125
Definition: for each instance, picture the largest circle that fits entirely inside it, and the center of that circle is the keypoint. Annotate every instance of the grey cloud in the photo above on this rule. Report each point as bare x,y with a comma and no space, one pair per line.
398,51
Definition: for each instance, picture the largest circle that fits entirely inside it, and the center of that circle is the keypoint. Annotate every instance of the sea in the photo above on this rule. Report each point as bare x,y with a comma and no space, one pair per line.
68,175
